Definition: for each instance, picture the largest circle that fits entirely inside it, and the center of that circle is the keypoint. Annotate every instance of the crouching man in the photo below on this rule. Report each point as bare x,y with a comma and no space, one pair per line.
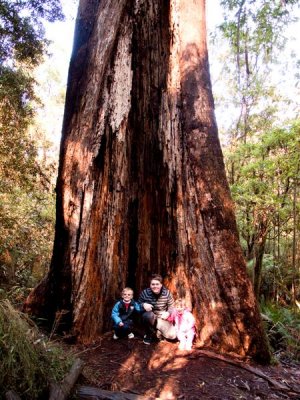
156,305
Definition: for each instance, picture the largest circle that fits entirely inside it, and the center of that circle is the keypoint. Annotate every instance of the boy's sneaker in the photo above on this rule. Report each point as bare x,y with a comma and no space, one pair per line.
130,335
115,337
147,339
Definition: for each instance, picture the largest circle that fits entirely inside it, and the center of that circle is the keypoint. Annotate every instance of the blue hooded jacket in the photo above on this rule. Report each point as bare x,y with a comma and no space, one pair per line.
120,314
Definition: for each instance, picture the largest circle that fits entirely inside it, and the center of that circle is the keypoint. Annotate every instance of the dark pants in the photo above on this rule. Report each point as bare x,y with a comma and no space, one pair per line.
154,325
149,322
122,331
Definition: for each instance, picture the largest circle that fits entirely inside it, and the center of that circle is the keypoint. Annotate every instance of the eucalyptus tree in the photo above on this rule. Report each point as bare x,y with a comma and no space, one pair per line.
255,31
256,34
142,186
264,193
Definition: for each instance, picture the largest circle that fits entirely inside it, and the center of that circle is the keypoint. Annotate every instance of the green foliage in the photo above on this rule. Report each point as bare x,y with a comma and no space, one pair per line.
26,173
22,44
255,32
256,27
27,221
276,280
28,361
268,170
262,152
22,34
283,329
26,198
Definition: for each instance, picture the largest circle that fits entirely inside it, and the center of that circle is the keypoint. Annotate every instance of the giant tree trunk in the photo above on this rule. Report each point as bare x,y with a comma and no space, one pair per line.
141,186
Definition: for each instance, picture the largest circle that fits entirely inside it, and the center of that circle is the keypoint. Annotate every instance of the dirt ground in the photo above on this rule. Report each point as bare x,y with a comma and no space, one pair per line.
161,371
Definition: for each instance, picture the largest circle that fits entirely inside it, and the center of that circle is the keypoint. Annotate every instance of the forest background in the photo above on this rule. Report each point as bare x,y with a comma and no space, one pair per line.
255,77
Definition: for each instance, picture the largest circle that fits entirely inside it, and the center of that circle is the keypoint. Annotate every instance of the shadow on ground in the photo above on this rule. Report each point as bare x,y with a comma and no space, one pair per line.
161,371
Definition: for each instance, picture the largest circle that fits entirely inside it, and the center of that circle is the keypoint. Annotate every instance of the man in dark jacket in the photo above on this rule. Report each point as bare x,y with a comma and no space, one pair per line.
156,303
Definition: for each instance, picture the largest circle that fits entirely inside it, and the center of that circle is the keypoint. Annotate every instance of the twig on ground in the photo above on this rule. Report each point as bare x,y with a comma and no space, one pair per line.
123,366
239,364
87,349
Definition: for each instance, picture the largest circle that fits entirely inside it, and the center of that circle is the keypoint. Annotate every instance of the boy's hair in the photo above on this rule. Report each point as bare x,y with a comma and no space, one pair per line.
156,277
127,289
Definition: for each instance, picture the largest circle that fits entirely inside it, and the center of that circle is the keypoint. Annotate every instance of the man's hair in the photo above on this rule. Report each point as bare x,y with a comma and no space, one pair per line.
156,277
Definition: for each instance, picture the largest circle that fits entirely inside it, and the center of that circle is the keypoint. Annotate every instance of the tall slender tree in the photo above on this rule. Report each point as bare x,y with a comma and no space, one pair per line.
141,185
257,35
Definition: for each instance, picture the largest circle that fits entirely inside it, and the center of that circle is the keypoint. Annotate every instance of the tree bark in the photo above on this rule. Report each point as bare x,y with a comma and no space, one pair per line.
62,391
294,253
88,392
259,251
141,186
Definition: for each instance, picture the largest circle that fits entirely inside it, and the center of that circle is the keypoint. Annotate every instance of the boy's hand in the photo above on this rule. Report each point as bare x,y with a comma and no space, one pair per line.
147,306
121,324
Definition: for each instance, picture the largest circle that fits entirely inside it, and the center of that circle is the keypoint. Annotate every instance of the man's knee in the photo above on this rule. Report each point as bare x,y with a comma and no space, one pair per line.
171,333
166,328
148,317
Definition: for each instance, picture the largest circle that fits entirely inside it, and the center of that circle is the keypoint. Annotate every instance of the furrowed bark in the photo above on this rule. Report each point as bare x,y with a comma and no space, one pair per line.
142,185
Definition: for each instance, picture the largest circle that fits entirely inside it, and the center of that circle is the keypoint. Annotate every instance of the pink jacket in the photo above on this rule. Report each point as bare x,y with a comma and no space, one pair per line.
184,322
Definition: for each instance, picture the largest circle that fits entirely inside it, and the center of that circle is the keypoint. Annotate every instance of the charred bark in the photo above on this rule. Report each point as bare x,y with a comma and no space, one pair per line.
141,186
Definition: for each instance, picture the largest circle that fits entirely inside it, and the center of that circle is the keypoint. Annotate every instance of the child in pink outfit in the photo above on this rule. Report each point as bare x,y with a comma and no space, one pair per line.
184,324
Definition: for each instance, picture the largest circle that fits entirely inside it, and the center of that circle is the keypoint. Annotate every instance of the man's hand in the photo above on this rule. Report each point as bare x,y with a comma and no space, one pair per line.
165,315
147,306
121,324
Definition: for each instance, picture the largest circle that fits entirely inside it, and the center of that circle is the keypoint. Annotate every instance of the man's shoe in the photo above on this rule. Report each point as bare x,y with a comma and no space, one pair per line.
130,335
115,337
147,339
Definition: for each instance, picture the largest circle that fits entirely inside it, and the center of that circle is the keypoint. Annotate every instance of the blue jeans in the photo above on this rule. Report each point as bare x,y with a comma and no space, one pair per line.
122,331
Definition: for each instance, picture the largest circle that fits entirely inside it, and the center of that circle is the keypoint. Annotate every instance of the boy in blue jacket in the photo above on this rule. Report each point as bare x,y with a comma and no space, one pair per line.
123,313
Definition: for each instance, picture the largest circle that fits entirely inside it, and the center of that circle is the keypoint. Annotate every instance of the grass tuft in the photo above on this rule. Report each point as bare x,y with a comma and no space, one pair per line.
28,361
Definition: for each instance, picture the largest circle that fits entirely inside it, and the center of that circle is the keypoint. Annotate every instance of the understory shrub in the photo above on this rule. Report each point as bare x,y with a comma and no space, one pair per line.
283,329
28,361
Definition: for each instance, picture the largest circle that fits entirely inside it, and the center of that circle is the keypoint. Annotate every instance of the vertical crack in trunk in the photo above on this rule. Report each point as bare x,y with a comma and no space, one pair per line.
142,185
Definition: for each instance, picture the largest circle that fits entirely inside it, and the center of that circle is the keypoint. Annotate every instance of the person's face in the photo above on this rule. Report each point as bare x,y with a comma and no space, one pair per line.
155,286
127,295
180,309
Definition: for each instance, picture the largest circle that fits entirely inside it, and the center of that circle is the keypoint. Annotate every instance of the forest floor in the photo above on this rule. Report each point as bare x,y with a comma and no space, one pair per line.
162,371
